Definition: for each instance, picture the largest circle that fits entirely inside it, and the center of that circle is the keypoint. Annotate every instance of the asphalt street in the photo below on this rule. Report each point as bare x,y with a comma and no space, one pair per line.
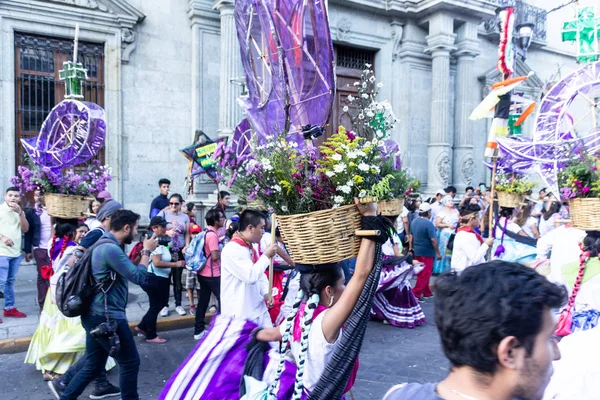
389,356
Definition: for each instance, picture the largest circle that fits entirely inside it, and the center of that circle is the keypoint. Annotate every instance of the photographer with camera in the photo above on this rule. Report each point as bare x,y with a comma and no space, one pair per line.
106,326
158,282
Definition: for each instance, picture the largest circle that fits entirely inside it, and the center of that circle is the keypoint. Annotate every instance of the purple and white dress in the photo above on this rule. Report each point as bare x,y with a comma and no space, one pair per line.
394,300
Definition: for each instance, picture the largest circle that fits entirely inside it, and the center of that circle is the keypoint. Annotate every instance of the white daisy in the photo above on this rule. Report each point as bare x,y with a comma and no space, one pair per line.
361,116
341,167
345,189
363,167
277,188
338,199
380,85
345,108
365,96
330,174
336,157
351,98
362,194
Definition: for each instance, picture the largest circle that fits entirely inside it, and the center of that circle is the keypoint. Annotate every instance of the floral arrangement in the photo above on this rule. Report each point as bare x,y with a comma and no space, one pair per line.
370,118
352,165
580,179
285,179
513,183
91,181
402,184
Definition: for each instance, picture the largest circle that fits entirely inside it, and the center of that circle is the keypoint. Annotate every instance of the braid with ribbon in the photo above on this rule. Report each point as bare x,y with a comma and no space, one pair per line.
48,270
312,304
285,342
565,321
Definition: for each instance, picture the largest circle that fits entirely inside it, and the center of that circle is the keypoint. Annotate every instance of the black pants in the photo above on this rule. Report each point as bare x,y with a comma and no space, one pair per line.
101,381
207,286
158,294
176,280
98,350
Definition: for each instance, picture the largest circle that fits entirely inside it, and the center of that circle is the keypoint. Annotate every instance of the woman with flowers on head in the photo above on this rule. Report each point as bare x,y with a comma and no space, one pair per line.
446,221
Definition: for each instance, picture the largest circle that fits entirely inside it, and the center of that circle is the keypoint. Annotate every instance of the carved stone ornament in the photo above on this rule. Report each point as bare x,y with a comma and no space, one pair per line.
467,169
127,43
397,32
443,167
92,4
344,28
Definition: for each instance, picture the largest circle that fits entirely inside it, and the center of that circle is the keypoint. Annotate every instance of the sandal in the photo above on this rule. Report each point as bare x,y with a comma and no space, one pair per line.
157,340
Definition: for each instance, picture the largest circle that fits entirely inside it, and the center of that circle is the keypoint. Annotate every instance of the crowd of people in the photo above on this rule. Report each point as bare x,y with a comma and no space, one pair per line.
310,319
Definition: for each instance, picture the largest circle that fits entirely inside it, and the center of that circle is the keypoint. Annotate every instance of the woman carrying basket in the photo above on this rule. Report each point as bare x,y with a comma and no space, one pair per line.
317,358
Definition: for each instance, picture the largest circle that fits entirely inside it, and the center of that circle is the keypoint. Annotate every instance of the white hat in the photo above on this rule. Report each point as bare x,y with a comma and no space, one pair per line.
425,207
440,191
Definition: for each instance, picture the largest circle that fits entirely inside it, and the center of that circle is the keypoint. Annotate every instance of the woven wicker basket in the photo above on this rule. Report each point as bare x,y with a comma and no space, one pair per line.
585,213
509,200
67,206
256,205
390,208
322,236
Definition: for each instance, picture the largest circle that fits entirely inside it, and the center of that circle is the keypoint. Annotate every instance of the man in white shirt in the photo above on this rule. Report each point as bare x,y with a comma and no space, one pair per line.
244,284
437,205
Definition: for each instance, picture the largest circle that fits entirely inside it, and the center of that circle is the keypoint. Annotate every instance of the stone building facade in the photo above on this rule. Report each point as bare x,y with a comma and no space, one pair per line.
165,68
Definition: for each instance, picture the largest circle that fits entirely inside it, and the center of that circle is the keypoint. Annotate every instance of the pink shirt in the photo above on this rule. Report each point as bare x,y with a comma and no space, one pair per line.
211,243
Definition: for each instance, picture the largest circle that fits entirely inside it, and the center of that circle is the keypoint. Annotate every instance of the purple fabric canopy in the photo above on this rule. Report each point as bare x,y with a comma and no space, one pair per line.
73,133
287,56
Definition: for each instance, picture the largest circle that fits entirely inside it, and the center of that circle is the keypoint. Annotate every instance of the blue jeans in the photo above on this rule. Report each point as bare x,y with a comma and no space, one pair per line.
9,266
97,351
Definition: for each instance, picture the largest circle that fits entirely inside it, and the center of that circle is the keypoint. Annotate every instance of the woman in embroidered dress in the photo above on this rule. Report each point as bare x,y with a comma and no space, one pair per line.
395,303
309,338
469,247
58,341
446,222
511,243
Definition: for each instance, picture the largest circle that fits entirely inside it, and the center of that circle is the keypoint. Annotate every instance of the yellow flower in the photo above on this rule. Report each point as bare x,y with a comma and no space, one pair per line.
358,179
286,185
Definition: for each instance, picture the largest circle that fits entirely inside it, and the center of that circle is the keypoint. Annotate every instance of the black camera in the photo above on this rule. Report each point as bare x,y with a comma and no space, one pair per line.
109,331
163,240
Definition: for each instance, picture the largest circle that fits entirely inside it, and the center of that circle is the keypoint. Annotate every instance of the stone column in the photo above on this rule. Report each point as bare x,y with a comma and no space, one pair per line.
468,49
230,112
440,43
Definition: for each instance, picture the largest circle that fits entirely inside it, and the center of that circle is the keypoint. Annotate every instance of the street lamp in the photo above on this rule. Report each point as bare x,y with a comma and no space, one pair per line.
525,31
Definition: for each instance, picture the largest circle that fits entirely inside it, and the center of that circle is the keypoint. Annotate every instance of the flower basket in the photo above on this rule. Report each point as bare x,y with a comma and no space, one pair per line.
509,200
585,213
390,208
322,236
256,205
67,206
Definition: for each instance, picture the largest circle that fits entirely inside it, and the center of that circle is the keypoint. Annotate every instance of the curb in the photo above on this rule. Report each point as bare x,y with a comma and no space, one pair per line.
19,345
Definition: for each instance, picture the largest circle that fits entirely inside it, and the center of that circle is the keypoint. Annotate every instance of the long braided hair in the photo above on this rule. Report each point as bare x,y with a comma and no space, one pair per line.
311,286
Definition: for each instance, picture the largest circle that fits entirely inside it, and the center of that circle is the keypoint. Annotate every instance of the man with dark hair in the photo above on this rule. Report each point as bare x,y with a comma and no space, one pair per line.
210,276
111,265
451,190
13,224
161,202
497,329
244,284
223,203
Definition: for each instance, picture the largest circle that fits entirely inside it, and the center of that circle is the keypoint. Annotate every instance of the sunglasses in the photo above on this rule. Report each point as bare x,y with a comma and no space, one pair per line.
174,204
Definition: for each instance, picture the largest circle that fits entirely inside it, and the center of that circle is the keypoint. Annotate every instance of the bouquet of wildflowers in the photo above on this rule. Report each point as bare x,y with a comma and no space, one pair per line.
285,179
402,182
580,179
370,118
353,166
89,182
513,183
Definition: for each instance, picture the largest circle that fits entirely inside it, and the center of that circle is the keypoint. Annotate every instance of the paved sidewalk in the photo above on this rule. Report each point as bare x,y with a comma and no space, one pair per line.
26,301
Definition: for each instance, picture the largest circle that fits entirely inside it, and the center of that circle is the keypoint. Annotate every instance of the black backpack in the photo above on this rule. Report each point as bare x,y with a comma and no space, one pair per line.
77,287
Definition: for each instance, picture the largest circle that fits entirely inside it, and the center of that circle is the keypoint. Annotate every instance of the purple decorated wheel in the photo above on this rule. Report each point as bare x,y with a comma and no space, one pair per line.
72,134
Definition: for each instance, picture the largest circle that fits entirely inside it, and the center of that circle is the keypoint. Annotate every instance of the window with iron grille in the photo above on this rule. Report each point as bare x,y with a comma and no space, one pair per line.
38,89
353,58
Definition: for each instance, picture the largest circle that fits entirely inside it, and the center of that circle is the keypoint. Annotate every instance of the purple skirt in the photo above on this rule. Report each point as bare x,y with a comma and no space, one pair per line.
394,300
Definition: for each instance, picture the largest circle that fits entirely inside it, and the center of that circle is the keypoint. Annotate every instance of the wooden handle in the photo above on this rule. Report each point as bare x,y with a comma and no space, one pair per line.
273,237
360,233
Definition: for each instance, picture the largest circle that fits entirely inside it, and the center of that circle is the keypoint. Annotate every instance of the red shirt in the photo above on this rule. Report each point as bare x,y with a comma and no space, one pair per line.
211,243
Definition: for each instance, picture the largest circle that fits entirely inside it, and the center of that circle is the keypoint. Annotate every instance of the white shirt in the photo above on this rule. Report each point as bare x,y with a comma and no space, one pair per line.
435,209
388,247
290,299
467,251
243,284
400,221
318,354
265,242
547,225
510,227
576,373
528,226
45,229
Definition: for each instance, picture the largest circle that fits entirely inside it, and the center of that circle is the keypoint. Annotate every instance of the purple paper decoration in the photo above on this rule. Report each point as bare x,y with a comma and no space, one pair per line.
72,134
287,56
558,137
239,150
